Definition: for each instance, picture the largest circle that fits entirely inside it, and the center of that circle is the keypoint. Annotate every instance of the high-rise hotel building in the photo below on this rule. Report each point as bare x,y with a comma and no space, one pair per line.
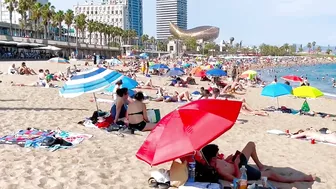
125,14
174,11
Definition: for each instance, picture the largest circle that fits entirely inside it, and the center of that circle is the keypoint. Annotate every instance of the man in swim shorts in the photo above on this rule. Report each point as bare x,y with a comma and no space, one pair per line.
228,168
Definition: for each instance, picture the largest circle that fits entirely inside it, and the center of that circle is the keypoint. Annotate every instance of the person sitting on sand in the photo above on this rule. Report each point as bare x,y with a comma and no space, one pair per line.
119,108
12,69
24,70
228,169
41,78
316,135
190,80
165,97
137,114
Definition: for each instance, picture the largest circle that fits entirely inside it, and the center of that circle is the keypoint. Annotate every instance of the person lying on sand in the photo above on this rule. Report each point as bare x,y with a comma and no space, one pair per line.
317,114
24,70
246,109
165,97
147,85
204,94
316,135
228,169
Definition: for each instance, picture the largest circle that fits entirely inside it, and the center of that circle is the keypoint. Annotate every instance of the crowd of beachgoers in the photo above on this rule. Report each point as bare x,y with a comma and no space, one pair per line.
156,86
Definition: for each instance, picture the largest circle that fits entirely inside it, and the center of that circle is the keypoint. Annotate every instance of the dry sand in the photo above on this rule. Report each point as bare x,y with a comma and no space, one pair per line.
108,161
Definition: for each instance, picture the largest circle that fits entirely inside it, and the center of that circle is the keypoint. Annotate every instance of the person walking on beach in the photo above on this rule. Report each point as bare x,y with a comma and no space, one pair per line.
94,59
234,73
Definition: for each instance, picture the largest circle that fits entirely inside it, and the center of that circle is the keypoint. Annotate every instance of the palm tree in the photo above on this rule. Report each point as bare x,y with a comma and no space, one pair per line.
47,11
59,17
36,16
54,24
132,34
144,39
11,6
91,26
69,18
309,45
318,49
113,34
231,40
22,8
152,41
100,29
313,44
80,21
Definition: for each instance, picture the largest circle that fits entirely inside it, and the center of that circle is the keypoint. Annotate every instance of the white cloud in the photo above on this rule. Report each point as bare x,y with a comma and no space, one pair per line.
303,8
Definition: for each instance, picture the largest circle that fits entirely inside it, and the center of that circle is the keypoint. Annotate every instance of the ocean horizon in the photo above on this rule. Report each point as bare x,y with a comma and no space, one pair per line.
320,76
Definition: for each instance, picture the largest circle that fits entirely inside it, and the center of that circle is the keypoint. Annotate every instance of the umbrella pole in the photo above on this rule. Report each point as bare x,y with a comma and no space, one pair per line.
95,99
278,102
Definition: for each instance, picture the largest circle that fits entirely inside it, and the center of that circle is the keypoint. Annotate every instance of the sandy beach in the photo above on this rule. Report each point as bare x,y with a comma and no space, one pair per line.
108,161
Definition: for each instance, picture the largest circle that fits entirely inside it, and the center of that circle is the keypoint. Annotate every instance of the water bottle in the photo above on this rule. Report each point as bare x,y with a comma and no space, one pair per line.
243,178
191,170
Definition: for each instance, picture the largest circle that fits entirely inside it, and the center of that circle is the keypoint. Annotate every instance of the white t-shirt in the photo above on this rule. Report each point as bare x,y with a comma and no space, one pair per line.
11,70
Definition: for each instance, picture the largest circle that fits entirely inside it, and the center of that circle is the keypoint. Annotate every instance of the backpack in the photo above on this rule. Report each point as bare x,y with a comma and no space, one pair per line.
206,173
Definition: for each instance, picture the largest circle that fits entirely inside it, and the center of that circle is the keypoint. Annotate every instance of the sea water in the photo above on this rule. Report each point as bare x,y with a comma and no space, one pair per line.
320,76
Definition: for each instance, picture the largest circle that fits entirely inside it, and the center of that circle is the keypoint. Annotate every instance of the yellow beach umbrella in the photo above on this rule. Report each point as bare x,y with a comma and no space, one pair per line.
249,74
307,92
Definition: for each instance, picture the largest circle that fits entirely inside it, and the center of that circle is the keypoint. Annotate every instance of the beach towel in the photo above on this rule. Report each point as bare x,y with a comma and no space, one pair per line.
37,138
200,185
22,136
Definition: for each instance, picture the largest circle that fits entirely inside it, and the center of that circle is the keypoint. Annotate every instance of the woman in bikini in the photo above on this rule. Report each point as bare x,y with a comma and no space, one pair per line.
137,114
119,108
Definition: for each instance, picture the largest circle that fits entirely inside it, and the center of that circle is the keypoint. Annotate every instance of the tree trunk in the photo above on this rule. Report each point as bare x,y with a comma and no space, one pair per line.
11,23
60,31
68,33
35,28
45,30
83,36
90,38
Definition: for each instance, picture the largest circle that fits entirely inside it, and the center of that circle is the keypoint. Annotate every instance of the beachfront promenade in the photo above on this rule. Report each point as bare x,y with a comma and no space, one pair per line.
67,47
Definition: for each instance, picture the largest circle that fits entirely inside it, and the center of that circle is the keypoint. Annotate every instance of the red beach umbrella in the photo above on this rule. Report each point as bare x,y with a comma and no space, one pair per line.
201,73
292,78
188,129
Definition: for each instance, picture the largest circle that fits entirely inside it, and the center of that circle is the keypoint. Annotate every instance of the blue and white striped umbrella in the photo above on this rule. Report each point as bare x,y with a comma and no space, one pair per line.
59,60
114,61
89,82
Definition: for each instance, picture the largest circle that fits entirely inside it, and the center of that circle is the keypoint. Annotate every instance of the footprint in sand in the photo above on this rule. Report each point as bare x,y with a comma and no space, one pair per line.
42,182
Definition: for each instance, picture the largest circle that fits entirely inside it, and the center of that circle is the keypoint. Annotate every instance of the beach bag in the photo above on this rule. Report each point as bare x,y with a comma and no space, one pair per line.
206,173
305,107
153,115
178,173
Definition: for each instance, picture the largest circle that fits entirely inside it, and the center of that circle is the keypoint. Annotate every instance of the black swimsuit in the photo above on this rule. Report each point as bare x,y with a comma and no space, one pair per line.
139,126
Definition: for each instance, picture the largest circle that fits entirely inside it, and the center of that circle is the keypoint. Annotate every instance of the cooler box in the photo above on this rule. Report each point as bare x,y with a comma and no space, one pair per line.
153,115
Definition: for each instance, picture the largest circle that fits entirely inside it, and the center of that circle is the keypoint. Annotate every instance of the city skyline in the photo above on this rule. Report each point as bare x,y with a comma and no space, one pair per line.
255,22
175,11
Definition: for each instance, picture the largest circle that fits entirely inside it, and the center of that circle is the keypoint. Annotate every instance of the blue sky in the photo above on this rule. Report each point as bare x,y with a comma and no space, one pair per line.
253,21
